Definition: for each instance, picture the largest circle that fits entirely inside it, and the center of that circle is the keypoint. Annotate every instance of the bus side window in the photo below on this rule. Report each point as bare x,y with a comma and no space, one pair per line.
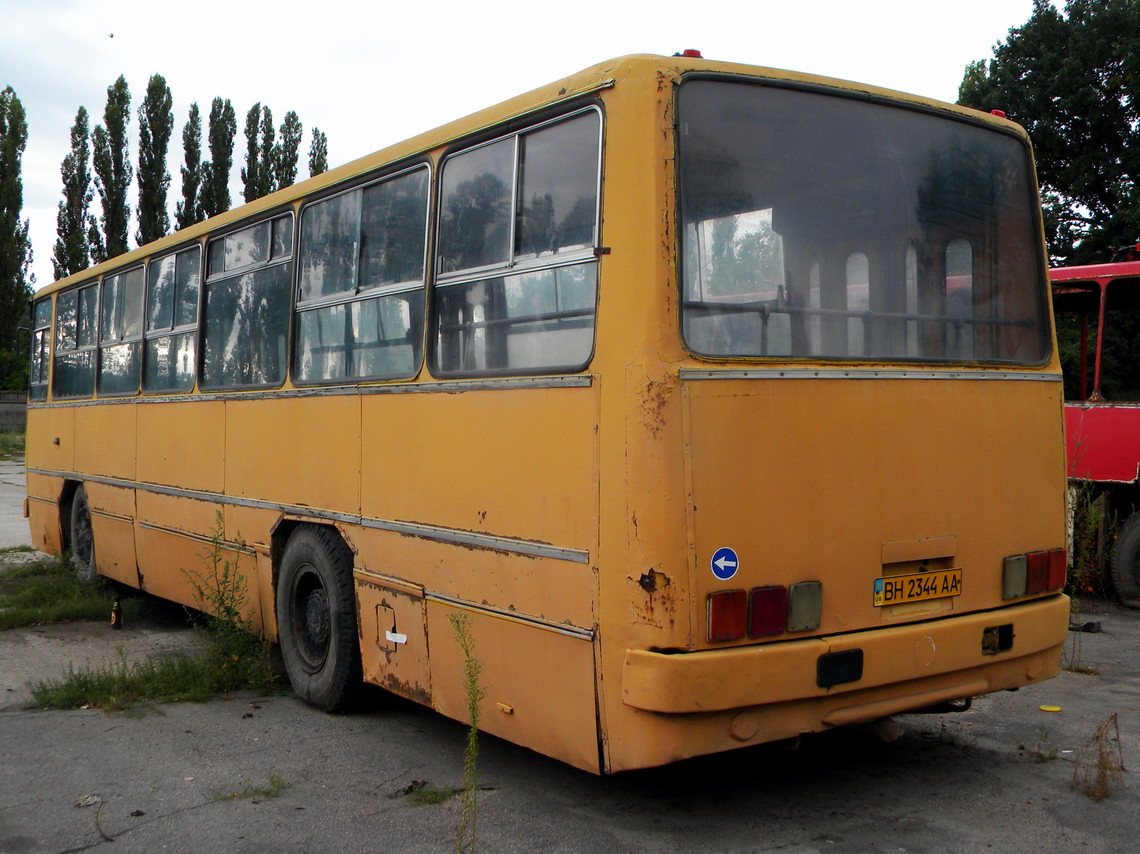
246,310
169,359
41,330
120,333
521,303
361,289
74,374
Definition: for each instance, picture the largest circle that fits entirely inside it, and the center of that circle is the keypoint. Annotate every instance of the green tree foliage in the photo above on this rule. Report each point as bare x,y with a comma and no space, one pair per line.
156,123
215,193
15,248
318,153
72,251
188,211
1072,79
112,172
257,175
250,173
287,152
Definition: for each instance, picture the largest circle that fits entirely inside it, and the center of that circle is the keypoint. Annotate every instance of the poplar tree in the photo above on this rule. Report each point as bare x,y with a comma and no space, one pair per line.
72,251
215,193
15,248
188,211
250,173
156,123
288,152
266,153
112,172
318,153
258,174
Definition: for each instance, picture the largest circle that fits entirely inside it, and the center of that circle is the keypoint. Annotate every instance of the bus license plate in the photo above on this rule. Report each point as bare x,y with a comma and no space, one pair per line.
901,589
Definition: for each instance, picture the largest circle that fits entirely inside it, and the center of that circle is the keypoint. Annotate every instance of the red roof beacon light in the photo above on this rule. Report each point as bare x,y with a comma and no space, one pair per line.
692,54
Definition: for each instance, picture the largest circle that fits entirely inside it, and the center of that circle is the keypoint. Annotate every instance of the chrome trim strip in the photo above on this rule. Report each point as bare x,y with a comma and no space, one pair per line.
436,533
226,544
105,515
567,629
865,374
443,387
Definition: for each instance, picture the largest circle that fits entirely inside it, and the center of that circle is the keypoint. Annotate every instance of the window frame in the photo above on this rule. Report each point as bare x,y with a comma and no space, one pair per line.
1035,246
357,294
175,329
105,343
516,263
59,352
38,390
207,278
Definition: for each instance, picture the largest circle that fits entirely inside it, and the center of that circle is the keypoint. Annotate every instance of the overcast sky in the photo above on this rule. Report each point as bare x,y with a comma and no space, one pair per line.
372,73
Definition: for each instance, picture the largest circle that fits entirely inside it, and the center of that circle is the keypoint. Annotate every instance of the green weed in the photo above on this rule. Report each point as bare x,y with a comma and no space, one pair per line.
272,787
233,658
241,657
465,833
45,592
11,446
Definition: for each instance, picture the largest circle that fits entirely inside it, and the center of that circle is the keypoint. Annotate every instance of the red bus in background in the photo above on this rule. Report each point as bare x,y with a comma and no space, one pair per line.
1097,307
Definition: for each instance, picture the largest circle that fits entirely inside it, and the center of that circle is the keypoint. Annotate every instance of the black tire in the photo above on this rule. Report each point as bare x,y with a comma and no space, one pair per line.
316,619
1124,565
82,537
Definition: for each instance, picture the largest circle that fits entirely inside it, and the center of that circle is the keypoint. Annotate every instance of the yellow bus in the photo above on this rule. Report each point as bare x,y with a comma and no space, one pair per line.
722,400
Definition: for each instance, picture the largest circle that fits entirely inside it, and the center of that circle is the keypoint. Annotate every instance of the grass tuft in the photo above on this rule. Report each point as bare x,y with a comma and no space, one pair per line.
41,593
272,787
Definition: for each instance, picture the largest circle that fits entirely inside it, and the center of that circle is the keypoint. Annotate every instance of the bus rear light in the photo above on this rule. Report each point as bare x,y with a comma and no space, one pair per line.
728,615
1037,572
1058,561
768,611
1013,576
1032,573
805,605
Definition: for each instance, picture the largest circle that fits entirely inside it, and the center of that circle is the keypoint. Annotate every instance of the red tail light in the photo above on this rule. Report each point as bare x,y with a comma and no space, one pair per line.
728,615
1032,573
768,614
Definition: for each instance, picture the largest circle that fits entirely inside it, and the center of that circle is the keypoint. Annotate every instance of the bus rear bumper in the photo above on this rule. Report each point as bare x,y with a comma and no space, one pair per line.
904,667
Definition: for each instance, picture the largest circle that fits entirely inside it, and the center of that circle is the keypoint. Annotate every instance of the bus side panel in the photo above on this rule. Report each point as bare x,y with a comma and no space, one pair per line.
538,684
43,512
51,440
559,591
299,451
172,539
105,440
251,528
112,524
517,463
185,444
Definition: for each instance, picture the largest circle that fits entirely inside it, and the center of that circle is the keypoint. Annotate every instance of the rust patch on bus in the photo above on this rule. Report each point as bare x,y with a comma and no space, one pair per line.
658,604
653,402
412,691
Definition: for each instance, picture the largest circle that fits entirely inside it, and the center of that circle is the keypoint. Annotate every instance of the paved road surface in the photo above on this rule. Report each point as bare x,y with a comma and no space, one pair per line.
995,778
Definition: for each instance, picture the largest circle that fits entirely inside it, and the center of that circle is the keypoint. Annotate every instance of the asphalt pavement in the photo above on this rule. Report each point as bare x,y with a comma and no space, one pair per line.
250,773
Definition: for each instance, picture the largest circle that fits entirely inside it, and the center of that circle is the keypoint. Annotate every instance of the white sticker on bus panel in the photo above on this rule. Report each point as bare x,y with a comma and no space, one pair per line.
393,637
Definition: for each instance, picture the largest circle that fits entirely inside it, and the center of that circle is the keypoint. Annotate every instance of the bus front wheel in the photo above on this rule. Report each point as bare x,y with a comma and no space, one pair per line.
82,538
316,619
1124,565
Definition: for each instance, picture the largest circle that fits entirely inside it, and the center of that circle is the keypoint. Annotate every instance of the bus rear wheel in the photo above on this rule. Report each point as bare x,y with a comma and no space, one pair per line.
82,537
1124,565
316,619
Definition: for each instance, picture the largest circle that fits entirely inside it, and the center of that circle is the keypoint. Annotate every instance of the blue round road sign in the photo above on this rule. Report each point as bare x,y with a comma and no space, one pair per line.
724,563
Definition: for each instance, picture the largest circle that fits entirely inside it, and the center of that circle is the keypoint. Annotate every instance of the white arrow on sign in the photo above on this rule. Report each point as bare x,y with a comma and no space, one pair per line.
721,562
